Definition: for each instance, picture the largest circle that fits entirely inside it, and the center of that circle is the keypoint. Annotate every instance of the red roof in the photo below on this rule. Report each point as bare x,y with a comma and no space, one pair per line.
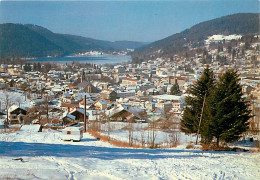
177,77
129,79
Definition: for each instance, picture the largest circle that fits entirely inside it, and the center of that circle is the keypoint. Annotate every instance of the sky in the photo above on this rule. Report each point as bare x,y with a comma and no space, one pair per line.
145,20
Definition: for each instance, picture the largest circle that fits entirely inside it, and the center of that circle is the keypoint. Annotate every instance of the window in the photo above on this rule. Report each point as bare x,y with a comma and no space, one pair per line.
68,132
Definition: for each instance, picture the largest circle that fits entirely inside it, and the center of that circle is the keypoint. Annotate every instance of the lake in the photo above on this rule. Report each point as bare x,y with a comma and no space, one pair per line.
97,59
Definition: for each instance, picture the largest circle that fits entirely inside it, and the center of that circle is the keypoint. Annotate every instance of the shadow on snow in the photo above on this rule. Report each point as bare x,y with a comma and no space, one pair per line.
19,149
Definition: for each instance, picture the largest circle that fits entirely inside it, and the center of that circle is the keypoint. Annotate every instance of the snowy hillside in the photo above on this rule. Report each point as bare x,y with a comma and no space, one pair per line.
45,156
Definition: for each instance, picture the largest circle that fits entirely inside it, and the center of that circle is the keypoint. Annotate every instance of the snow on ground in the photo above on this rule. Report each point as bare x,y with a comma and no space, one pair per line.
119,132
46,156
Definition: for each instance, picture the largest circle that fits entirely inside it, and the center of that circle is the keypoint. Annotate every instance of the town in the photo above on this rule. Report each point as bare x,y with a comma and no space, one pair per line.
144,97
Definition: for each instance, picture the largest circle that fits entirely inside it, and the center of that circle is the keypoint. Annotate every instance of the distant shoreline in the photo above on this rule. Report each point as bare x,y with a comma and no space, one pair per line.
97,59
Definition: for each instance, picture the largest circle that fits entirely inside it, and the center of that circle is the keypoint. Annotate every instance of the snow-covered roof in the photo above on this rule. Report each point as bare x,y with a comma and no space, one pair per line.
167,97
70,116
115,110
14,107
38,100
103,102
56,90
82,95
79,110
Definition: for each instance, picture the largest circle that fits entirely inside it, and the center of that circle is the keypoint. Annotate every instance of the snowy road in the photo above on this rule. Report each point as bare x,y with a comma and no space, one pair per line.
92,159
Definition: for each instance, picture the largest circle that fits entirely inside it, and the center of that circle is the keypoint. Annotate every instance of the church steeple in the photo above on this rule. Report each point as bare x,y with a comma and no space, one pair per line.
83,77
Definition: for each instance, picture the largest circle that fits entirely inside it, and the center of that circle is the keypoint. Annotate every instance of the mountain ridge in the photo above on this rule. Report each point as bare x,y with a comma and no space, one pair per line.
240,23
28,40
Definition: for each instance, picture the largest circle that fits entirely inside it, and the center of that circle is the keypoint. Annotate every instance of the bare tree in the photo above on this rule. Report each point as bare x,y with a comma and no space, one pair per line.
130,132
18,101
108,126
152,130
7,103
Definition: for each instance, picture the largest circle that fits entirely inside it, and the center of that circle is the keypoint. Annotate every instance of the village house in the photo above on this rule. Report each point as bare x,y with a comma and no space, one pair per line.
177,79
101,104
16,114
129,82
121,113
79,114
68,119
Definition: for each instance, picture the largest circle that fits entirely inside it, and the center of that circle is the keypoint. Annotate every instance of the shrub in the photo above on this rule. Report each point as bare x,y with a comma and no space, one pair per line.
190,146
214,147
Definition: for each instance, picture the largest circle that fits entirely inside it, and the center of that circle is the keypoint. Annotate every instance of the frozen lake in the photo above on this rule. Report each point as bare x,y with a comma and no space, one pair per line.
97,59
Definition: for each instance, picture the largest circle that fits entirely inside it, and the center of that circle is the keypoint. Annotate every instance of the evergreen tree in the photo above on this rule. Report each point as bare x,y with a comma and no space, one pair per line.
194,102
175,89
34,66
228,110
27,67
39,67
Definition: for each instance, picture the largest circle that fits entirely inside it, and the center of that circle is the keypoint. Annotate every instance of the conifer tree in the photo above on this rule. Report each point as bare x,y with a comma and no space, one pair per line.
194,103
175,89
228,110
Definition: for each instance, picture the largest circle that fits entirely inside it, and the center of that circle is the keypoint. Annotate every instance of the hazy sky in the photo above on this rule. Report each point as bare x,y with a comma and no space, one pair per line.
121,20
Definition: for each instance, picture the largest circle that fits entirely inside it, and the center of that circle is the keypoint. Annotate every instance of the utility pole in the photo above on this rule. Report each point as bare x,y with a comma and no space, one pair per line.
46,105
200,118
85,121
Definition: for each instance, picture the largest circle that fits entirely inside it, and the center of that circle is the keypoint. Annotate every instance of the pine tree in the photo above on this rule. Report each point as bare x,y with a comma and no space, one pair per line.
27,67
175,89
194,103
228,110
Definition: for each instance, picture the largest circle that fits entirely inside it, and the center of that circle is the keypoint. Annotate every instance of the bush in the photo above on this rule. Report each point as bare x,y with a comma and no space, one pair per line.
257,144
190,146
11,129
112,141
214,147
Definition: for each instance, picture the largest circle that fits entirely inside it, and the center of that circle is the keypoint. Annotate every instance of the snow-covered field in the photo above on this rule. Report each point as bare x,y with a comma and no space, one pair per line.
46,156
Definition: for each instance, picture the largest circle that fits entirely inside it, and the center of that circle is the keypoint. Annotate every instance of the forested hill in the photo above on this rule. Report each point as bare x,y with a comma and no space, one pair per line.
242,23
17,40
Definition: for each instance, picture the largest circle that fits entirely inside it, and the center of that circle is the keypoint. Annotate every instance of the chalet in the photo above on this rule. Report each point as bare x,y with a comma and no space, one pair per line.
68,119
120,113
79,114
55,112
16,114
